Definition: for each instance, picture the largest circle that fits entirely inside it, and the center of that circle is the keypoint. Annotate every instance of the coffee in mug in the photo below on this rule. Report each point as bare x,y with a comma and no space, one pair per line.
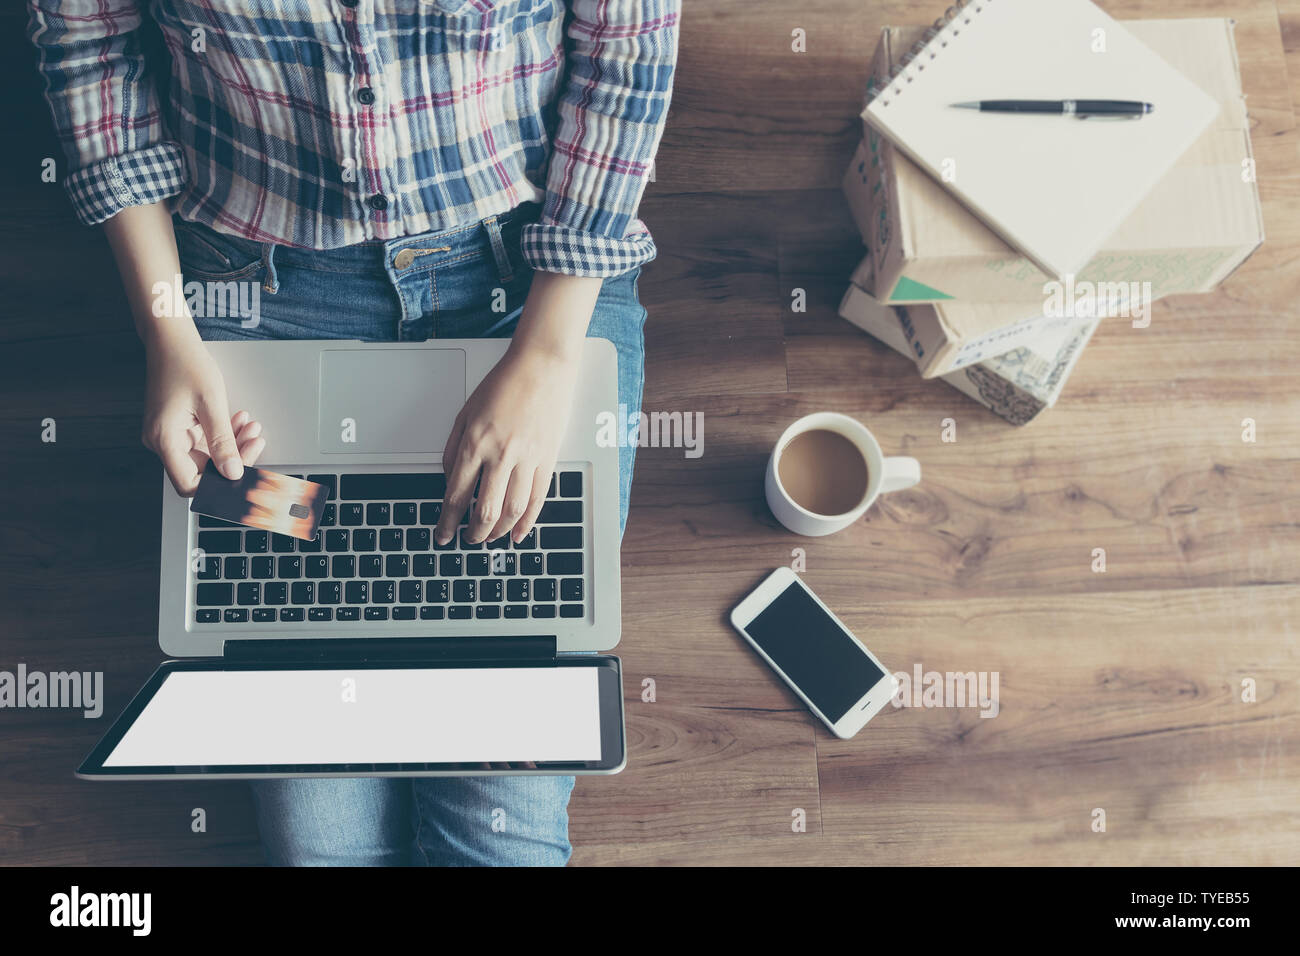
826,470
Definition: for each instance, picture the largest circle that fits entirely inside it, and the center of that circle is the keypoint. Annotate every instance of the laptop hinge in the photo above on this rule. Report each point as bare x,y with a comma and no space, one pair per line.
393,649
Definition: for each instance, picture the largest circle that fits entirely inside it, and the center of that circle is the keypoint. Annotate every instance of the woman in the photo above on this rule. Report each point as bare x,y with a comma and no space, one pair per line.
384,170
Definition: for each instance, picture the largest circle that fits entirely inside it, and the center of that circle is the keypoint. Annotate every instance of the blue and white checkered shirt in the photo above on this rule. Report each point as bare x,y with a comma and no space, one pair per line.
323,123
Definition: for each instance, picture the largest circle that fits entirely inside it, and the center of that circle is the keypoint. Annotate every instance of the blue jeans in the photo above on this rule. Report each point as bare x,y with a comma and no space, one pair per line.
466,283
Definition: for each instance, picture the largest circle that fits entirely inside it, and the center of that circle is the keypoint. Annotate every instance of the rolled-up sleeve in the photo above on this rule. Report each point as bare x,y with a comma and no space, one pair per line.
105,105
610,117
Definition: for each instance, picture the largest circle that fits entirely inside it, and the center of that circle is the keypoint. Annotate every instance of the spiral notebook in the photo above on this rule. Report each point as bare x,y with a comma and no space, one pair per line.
1053,187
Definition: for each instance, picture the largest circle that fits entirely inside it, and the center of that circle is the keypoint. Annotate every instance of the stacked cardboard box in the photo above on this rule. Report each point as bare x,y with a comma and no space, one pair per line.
964,298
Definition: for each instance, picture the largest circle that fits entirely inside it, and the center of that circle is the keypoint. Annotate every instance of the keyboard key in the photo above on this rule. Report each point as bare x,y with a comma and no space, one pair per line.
397,565
499,543
235,615
306,547
213,595
516,610
235,569
571,589
390,539
425,565
392,486
289,566
329,481
357,592
372,565
431,613
504,562
329,592
343,566
318,566
363,539
281,543
383,592
430,512
404,512
209,615
329,516
518,590
464,591
543,610
207,521
571,610
550,489
449,565
408,592
531,563
459,612
291,614
262,567
256,542
564,562
417,539
320,614
220,542
571,484
351,515
437,592
377,513
248,593
491,590
262,615
336,540
528,542
303,592
560,512
561,539
544,589
451,543
376,613
466,544
275,592
348,614
485,612
210,571
403,614
478,565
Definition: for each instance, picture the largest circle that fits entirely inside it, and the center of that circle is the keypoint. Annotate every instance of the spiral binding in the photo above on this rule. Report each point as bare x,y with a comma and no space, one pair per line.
946,22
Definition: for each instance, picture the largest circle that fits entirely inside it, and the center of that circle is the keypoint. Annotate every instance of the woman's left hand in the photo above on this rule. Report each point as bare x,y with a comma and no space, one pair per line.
506,439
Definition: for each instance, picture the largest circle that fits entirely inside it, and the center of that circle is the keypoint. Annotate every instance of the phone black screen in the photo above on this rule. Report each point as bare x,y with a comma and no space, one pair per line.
814,652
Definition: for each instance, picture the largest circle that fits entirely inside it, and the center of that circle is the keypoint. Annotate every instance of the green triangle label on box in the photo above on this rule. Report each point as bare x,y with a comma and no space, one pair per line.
909,290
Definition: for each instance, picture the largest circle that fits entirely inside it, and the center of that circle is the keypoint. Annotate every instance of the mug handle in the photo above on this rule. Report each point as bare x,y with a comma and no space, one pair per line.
899,473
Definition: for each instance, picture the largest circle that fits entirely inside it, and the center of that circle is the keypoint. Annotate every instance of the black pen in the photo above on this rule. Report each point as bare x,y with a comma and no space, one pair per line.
1131,109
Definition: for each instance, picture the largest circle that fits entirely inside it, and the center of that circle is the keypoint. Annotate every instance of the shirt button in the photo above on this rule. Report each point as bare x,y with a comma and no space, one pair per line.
366,95
378,202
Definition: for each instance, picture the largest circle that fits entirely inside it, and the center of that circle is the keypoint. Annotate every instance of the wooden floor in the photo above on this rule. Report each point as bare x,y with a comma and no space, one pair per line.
1120,691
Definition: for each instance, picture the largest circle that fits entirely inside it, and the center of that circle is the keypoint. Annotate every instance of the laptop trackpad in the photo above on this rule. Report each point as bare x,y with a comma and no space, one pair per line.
389,401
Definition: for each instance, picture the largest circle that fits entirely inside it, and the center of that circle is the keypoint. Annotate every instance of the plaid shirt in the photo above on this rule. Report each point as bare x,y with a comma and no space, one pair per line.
323,123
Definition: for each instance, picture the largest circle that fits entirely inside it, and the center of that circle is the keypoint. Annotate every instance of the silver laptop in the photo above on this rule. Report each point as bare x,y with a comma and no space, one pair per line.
375,597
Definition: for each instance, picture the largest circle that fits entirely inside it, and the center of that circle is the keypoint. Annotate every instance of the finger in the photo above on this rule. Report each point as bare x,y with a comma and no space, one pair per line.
460,489
214,416
541,481
173,447
239,420
250,452
518,498
491,499
247,430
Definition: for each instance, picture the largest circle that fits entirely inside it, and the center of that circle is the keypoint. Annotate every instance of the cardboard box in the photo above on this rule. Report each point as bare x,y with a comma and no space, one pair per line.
1198,225
1016,385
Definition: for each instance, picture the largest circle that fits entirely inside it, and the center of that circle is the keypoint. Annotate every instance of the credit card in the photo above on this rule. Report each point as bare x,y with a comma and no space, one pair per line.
266,500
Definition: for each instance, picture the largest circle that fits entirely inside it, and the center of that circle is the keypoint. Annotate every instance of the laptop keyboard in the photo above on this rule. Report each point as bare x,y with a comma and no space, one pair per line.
375,559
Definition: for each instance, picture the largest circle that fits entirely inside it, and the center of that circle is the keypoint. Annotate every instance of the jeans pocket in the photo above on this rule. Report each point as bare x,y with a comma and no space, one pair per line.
208,255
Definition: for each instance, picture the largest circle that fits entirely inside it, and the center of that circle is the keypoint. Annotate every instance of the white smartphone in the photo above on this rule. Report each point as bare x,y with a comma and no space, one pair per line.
810,648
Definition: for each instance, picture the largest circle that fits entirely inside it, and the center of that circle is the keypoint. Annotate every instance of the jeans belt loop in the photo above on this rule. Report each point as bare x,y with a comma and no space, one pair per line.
504,269
270,281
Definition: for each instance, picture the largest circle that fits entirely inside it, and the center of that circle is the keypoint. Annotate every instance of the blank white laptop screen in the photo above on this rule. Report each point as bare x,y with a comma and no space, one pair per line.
366,716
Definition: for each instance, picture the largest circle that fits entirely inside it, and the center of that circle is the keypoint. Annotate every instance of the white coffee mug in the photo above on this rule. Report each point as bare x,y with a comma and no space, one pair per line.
883,475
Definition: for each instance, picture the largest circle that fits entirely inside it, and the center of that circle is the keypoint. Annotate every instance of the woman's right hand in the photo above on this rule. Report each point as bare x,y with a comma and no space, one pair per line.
186,417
